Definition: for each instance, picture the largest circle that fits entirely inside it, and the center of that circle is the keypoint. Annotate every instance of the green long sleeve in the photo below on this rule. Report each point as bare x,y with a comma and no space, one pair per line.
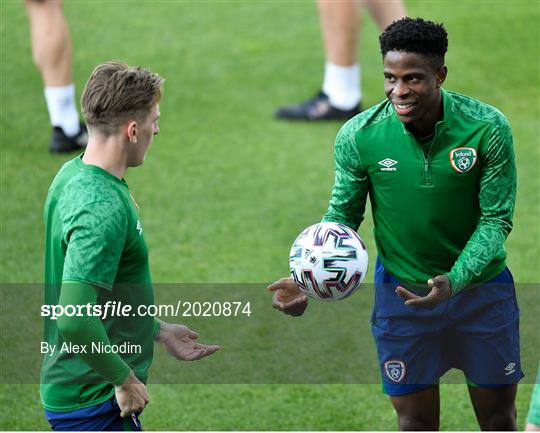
497,198
349,195
85,330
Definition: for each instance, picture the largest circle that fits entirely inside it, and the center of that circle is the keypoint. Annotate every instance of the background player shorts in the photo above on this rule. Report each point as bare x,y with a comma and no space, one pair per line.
476,331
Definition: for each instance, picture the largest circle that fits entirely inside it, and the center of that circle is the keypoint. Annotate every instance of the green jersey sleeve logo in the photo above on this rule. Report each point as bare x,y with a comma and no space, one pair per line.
462,159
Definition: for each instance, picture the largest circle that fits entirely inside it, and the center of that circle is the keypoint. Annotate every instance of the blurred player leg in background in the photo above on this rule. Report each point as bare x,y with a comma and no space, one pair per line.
533,418
51,52
341,95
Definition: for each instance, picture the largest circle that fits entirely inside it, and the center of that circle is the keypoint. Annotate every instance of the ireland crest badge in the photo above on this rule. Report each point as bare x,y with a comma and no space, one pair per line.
395,370
462,159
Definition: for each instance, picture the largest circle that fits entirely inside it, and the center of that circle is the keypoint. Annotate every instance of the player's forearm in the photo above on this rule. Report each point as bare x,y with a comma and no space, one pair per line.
351,184
485,243
348,201
87,330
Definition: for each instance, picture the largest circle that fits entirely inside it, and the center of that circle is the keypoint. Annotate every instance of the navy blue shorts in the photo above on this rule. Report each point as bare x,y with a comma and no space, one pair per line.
102,417
476,331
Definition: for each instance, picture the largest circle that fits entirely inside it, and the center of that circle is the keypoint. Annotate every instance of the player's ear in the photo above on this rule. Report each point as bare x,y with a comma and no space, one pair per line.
131,131
441,75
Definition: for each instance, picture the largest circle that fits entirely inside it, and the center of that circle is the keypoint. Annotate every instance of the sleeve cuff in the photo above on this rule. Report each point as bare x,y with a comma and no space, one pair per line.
122,376
156,327
457,282
331,218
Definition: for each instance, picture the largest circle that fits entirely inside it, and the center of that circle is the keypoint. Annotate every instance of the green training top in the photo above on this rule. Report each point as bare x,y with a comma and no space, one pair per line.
94,235
442,207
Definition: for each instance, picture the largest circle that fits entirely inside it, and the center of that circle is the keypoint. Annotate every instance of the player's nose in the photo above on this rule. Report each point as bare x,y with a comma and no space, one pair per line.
400,89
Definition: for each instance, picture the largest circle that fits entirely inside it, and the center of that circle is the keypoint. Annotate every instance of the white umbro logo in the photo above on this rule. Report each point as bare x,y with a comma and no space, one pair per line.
139,227
388,164
510,368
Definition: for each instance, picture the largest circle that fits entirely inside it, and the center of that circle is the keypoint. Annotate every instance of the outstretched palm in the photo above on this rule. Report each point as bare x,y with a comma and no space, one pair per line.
180,342
288,297
441,290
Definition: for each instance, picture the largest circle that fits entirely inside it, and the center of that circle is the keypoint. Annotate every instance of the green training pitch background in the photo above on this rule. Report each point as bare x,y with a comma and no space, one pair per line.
226,188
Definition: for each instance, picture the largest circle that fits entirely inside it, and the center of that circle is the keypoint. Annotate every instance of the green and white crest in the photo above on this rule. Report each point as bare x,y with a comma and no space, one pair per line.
462,159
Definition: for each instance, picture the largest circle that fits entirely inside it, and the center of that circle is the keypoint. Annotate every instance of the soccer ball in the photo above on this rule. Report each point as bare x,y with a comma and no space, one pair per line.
328,261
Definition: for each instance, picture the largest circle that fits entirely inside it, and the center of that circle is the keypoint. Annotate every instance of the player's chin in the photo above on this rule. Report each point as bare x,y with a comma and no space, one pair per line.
414,114
138,161
408,119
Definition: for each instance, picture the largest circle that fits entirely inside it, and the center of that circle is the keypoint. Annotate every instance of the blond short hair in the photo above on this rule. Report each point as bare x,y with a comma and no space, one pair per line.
115,92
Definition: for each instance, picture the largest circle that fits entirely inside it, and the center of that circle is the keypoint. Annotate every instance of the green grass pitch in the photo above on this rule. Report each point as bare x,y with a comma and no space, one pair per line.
246,183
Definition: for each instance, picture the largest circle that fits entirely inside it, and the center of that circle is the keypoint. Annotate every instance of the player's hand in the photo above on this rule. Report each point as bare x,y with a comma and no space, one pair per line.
441,290
131,396
180,342
288,297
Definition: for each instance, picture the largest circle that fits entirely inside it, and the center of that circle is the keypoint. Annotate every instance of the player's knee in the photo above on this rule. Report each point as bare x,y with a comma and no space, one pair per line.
501,421
51,3
43,7
39,57
410,422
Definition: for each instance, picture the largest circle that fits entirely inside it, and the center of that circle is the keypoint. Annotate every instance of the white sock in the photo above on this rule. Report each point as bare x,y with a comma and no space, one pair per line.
342,85
62,108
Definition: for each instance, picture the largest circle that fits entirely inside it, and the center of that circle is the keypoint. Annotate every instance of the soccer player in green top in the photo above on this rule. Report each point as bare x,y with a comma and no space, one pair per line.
96,256
440,174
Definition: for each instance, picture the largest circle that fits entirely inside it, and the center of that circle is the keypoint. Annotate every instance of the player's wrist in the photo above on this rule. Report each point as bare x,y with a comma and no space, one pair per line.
455,285
128,379
156,329
164,332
